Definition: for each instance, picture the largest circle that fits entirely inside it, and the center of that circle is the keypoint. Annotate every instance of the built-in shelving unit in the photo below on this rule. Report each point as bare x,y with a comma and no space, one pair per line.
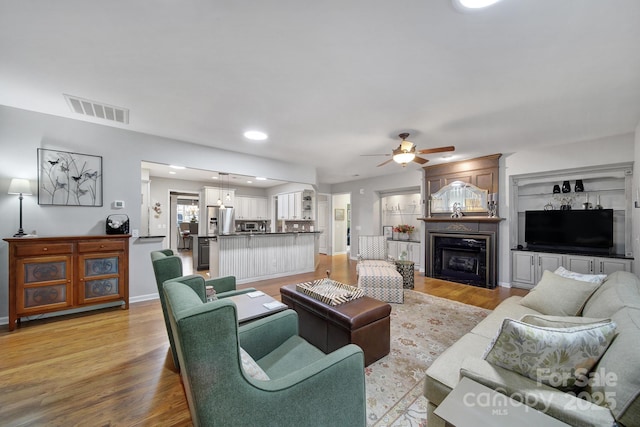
610,185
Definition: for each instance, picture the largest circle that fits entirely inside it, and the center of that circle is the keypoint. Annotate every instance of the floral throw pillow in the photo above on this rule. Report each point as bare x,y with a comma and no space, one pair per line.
558,357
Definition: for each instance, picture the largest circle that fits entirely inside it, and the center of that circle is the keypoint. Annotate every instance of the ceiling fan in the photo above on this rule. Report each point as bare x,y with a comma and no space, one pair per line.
406,152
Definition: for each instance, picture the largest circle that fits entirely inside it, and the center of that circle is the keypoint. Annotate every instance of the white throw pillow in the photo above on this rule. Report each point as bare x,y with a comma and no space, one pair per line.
558,296
558,357
251,368
591,278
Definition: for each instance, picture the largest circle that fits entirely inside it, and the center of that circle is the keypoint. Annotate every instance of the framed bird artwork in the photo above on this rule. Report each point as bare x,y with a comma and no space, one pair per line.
69,179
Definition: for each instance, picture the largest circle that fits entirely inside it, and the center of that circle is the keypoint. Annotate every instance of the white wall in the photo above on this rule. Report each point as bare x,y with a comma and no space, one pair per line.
22,132
614,149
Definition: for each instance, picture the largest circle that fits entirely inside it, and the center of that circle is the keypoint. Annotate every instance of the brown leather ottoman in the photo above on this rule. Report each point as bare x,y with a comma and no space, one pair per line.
364,321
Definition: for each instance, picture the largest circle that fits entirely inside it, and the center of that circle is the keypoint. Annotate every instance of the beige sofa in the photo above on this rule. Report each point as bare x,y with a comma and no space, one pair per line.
617,298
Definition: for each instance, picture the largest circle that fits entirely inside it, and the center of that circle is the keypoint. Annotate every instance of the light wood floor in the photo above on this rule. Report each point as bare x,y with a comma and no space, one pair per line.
113,367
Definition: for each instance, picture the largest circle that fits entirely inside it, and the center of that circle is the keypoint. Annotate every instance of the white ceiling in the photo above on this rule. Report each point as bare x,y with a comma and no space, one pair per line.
331,80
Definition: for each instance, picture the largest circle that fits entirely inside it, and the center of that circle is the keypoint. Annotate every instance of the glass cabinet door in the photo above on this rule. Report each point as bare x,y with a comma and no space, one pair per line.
100,277
44,282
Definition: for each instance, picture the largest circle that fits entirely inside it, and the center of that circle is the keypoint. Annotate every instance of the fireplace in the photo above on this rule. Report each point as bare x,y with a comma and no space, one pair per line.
462,250
461,258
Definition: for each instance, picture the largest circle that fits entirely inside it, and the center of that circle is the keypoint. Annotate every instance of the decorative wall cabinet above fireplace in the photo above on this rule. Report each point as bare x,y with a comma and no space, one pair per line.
463,248
49,274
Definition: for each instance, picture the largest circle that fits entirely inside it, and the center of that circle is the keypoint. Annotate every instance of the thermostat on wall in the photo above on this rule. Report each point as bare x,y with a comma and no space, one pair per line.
118,204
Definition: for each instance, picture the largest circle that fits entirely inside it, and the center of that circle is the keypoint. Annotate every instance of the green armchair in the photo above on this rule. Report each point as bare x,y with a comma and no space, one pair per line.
305,387
167,266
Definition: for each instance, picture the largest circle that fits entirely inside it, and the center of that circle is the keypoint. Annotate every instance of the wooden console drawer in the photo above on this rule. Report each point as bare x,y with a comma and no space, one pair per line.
37,249
101,246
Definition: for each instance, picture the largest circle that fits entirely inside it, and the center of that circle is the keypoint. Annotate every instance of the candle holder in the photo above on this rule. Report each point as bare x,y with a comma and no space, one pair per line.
492,209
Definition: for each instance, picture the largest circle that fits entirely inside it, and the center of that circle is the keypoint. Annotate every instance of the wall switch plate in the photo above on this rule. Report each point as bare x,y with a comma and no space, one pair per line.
135,233
118,204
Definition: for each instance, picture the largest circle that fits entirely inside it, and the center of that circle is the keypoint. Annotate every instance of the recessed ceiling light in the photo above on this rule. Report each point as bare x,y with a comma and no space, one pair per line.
260,178
255,135
172,173
249,182
473,4
214,177
176,167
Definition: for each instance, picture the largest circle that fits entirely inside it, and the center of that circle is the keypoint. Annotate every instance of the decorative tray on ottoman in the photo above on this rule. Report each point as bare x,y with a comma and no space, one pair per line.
329,291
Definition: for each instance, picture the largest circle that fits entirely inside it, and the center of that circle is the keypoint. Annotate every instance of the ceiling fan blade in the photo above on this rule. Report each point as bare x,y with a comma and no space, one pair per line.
420,160
384,163
369,155
437,150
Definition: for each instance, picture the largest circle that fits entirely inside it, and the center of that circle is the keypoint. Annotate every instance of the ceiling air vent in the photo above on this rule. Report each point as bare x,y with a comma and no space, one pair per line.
97,109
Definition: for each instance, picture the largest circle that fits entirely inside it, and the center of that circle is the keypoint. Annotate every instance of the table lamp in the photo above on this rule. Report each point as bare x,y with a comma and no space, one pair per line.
23,188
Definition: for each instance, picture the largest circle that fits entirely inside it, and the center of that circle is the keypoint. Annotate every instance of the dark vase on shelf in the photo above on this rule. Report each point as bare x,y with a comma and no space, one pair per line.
566,187
579,188
556,189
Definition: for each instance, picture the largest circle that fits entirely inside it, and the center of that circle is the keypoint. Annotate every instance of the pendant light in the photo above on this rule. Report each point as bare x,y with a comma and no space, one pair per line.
220,203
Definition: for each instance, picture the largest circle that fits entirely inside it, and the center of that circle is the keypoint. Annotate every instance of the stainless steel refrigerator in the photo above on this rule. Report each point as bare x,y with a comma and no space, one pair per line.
220,220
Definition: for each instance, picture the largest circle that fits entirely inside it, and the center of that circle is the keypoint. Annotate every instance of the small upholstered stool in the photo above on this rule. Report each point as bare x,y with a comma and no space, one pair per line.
373,263
382,283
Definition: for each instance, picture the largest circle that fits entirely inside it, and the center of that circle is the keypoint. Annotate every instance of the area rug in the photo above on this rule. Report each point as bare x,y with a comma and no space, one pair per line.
421,329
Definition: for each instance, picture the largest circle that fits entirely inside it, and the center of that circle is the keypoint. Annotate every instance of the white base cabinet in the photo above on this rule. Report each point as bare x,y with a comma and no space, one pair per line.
527,267
411,250
596,265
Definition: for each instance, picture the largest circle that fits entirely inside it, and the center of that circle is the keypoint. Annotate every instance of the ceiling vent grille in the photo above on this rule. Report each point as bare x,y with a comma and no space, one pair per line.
98,110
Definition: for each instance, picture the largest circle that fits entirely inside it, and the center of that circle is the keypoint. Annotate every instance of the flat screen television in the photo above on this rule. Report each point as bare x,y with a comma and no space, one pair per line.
589,231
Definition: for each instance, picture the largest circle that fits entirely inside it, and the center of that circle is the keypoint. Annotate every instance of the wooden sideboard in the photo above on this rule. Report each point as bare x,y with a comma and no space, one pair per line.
49,274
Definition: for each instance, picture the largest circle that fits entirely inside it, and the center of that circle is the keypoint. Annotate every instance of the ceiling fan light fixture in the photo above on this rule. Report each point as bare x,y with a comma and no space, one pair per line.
403,157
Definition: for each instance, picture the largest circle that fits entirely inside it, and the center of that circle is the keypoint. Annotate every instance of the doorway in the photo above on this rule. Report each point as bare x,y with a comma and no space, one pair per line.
341,221
323,224
184,220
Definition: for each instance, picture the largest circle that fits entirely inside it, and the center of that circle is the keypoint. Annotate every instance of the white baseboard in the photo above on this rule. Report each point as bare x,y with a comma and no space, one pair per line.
504,284
141,298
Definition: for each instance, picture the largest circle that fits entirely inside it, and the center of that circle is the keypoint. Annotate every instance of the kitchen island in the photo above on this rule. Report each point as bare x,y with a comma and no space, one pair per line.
258,256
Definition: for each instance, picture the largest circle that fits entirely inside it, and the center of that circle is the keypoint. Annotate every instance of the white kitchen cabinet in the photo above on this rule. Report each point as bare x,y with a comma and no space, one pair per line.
527,267
290,206
596,265
242,207
283,206
295,205
262,207
251,208
213,194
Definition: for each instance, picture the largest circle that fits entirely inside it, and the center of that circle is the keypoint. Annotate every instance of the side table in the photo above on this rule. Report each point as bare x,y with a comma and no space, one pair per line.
406,269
